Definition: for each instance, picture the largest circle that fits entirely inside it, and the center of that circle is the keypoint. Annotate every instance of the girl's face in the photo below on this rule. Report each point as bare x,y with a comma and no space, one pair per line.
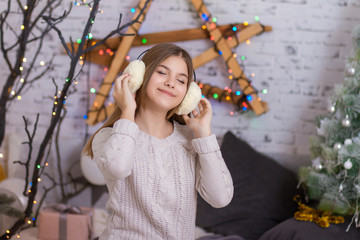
168,84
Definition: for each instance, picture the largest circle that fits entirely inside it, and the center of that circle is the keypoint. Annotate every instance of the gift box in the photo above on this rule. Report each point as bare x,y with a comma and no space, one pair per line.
62,222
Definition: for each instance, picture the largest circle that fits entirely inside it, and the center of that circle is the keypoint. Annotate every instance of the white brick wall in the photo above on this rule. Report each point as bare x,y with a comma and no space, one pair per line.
299,62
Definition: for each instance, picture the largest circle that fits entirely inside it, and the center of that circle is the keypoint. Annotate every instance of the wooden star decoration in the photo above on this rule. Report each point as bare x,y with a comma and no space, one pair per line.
113,54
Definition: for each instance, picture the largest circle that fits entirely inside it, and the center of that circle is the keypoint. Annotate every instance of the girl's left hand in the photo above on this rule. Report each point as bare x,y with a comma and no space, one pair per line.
201,120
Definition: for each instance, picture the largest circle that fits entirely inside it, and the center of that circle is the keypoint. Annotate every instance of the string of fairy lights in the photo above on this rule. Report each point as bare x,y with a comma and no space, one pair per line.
22,80
226,91
242,106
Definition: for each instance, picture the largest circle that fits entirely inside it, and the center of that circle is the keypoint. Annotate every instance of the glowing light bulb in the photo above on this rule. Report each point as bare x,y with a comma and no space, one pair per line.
248,42
19,97
1,155
256,18
227,98
21,68
42,63
132,10
92,90
24,59
246,23
12,92
22,80
22,27
26,7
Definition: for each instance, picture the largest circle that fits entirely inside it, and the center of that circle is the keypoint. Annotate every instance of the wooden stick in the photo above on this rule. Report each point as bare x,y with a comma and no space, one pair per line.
116,64
243,33
170,36
241,36
225,51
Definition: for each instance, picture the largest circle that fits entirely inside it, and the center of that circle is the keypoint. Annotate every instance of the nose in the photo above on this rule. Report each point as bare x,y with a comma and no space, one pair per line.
169,83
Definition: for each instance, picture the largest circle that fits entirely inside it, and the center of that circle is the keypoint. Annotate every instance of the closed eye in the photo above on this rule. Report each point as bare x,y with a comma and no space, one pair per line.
160,72
181,81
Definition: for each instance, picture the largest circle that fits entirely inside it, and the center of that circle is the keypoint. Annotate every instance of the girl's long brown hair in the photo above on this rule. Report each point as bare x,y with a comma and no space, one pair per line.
152,58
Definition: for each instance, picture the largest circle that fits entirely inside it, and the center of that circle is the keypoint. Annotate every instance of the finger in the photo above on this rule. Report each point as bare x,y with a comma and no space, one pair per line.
126,82
205,103
117,84
195,112
186,118
200,106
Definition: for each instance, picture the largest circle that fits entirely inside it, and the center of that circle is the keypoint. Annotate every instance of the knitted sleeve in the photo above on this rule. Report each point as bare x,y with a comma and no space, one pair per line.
213,179
114,149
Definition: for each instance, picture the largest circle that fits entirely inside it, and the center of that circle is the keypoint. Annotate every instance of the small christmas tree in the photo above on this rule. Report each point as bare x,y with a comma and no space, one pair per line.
334,177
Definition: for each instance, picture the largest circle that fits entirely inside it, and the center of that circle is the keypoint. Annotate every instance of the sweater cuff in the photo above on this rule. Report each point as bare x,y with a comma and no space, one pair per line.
206,144
126,127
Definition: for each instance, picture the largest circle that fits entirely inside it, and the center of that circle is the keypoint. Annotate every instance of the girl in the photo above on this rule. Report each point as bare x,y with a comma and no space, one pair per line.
153,164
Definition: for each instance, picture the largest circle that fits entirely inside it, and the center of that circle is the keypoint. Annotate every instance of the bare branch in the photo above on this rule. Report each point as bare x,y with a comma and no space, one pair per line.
46,7
19,91
3,18
58,156
119,29
30,144
51,21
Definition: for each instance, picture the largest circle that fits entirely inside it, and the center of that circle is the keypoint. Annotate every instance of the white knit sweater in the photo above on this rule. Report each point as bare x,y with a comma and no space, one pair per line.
152,182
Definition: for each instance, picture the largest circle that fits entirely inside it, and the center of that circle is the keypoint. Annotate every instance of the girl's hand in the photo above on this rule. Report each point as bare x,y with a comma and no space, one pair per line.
123,97
201,120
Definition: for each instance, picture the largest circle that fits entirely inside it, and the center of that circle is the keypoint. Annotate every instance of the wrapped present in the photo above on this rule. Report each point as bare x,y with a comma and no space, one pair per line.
63,222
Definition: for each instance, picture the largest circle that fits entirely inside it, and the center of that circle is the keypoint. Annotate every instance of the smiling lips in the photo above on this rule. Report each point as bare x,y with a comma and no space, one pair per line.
166,92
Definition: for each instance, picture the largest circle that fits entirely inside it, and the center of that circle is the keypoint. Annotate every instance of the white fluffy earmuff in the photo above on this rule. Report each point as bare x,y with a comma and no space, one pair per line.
136,69
191,100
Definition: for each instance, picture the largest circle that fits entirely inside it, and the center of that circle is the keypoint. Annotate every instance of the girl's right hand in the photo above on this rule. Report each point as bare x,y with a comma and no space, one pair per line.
123,97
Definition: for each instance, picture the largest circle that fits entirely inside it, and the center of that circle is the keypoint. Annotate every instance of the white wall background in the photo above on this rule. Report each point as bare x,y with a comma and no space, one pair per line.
299,62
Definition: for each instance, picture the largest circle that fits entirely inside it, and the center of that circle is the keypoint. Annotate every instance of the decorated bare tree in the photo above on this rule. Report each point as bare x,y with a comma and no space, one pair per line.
34,174
20,46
